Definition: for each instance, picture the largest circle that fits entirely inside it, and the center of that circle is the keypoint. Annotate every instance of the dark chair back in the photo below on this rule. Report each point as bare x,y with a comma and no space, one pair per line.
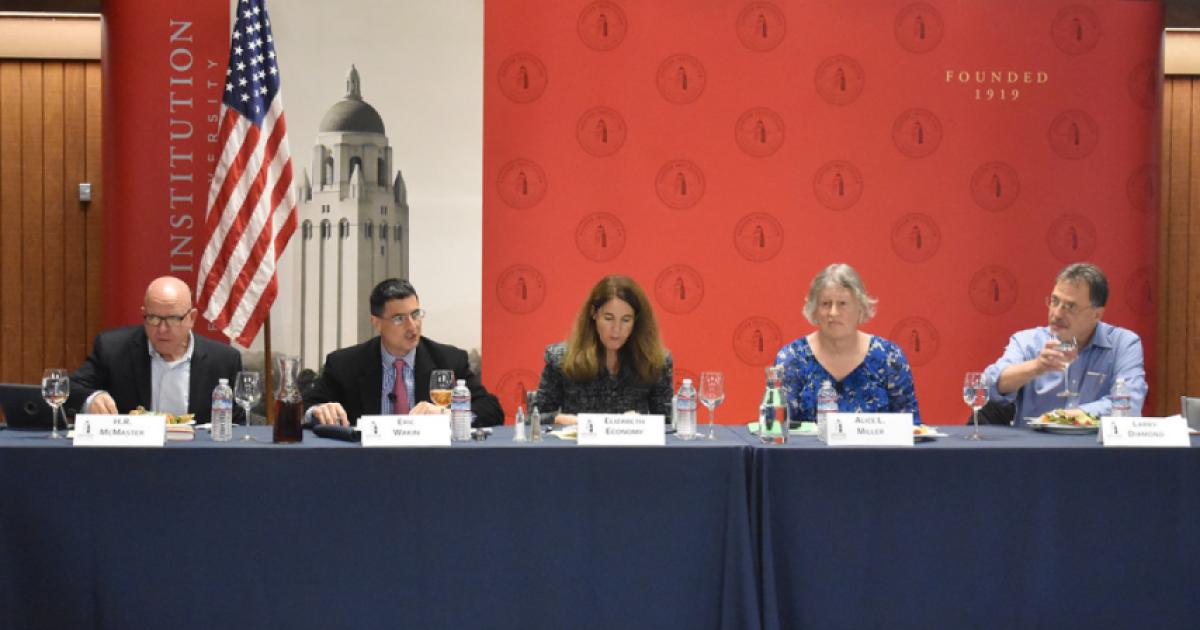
1189,408
996,412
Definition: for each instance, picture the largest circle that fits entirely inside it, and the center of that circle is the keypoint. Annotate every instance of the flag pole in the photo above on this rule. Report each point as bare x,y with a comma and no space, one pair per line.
268,365
243,208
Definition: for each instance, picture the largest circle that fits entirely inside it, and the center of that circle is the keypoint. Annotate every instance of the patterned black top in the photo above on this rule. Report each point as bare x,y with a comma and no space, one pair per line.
557,392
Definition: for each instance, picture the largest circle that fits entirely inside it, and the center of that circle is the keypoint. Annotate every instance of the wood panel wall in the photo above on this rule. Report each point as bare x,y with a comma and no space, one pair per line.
50,242
1177,371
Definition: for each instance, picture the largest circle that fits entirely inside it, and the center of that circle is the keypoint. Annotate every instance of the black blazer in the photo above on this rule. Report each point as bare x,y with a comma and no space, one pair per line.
354,377
120,364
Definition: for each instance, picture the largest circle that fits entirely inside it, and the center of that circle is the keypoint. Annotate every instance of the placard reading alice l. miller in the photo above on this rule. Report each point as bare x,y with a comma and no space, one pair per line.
1170,432
103,430
869,429
405,430
598,429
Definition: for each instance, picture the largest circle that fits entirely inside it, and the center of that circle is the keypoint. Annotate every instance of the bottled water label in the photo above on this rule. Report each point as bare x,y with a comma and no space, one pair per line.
460,424
222,422
685,421
1120,399
827,403
222,412
685,411
460,412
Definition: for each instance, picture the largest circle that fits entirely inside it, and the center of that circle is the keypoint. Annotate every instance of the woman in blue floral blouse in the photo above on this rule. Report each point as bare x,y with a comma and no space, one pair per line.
870,373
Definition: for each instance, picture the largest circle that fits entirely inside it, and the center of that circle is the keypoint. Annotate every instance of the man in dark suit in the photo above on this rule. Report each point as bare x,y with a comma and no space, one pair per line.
390,373
159,365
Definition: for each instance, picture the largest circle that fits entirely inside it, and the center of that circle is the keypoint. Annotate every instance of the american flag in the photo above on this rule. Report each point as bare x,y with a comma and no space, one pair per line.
251,205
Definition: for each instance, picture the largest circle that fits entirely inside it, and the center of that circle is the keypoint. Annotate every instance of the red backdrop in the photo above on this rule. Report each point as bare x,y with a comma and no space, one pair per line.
164,69
958,154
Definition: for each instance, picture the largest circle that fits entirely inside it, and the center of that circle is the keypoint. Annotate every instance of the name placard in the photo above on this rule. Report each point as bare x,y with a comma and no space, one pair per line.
431,430
105,430
1160,432
600,429
869,429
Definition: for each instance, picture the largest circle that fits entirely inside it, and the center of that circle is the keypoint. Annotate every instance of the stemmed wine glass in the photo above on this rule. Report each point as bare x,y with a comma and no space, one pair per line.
712,394
441,384
246,391
975,394
55,388
1068,349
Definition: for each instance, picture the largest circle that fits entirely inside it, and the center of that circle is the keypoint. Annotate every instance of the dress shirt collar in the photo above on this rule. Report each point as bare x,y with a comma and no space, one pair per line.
389,360
1101,336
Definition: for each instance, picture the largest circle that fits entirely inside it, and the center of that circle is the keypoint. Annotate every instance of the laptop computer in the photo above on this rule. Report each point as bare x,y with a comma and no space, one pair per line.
23,406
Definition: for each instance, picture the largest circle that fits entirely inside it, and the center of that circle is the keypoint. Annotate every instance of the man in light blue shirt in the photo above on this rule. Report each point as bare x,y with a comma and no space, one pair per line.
1032,369
160,365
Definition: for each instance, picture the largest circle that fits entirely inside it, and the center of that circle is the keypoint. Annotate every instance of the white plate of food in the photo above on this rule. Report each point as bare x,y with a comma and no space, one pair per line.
926,433
1058,421
171,419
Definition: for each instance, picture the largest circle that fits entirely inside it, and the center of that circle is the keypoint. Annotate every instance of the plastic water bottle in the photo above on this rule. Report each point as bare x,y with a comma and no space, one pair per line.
222,412
519,425
460,412
685,411
1120,399
827,403
533,418
535,425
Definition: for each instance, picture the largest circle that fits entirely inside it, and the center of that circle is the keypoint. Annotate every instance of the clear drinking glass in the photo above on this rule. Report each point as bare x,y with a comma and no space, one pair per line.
441,384
55,389
247,389
975,394
712,394
1068,349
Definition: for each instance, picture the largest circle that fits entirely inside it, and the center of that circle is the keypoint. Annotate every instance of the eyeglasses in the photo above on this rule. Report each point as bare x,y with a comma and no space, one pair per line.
154,321
1070,308
399,319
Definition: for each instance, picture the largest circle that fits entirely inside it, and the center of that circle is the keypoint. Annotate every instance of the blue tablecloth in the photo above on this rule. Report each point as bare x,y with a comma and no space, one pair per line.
1022,530
330,535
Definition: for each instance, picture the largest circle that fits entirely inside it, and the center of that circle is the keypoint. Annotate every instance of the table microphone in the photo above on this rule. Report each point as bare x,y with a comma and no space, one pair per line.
337,432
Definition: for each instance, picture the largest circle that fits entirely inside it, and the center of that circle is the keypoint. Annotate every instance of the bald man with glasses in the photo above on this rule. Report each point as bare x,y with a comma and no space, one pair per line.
1030,373
160,366
389,373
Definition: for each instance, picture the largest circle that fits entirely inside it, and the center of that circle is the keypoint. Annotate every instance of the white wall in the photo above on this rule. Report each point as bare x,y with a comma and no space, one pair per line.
421,66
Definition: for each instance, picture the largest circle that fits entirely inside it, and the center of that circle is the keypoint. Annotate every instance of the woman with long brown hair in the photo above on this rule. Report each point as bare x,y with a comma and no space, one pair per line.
614,360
